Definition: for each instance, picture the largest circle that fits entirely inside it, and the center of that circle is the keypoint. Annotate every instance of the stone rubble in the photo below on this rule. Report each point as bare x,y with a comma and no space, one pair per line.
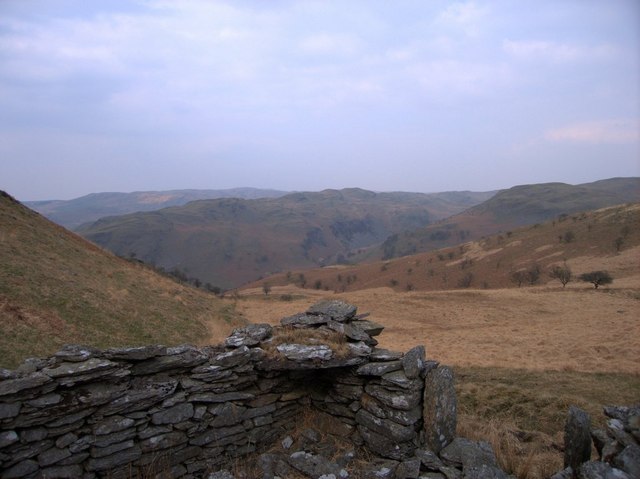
618,446
188,412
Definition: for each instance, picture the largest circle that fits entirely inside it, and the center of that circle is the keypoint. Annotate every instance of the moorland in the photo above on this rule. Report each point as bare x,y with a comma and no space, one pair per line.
523,345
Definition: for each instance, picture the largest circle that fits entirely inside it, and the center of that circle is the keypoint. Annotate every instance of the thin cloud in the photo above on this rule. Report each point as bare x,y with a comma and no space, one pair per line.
594,132
466,17
331,44
554,51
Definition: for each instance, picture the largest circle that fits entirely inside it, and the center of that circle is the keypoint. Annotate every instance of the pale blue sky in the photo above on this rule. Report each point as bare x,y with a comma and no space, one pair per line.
306,95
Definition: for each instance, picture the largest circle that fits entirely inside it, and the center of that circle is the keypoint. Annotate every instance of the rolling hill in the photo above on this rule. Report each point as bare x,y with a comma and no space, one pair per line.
57,288
228,242
89,208
511,208
604,239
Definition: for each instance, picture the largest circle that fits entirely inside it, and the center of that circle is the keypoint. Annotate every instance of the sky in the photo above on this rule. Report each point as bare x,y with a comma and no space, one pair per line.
409,95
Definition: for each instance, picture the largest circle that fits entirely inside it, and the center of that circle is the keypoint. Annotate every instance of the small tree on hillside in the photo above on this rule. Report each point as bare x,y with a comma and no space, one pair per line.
597,278
266,288
533,274
618,242
518,277
561,273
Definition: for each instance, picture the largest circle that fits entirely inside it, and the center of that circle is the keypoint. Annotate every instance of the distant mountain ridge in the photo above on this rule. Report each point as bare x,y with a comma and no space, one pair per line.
228,242
89,208
518,206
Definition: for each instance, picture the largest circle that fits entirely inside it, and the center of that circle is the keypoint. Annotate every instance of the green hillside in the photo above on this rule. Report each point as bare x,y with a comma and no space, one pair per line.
57,288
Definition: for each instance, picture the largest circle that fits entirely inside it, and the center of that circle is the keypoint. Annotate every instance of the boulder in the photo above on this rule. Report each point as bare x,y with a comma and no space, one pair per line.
465,453
577,438
440,408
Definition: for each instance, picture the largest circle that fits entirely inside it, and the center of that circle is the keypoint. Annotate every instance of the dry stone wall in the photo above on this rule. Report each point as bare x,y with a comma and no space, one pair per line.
186,411
618,445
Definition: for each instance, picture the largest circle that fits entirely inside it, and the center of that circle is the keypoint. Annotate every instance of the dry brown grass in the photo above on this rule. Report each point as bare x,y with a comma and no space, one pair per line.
489,262
522,356
310,337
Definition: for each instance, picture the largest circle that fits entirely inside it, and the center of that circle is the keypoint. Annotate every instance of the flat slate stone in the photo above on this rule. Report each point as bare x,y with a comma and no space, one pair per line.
382,446
399,379
335,309
393,431
75,353
136,353
12,386
359,349
305,352
251,335
112,424
369,327
181,357
380,354
90,366
349,331
405,400
303,320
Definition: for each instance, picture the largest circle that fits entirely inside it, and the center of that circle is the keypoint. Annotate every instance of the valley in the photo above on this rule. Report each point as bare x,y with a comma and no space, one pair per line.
523,346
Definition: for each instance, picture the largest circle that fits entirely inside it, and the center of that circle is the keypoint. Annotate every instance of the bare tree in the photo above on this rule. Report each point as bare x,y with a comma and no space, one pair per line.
561,273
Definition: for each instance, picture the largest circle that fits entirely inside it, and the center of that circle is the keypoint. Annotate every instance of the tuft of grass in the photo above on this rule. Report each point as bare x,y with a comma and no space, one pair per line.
522,413
289,335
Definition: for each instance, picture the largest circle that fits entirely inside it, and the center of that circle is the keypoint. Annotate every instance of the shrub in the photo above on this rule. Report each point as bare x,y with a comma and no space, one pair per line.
561,273
466,280
596,278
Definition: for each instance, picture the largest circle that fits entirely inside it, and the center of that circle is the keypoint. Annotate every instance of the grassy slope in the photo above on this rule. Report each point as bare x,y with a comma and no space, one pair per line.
57,288
229,242
512,208
491,260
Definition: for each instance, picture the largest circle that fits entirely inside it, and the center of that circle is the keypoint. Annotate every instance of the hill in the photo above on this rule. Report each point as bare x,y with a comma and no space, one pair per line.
57,288
227,242
604,239
517,206
89,208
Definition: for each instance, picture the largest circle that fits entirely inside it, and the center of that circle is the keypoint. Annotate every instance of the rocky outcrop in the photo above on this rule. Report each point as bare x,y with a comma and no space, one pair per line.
618,445
186,412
